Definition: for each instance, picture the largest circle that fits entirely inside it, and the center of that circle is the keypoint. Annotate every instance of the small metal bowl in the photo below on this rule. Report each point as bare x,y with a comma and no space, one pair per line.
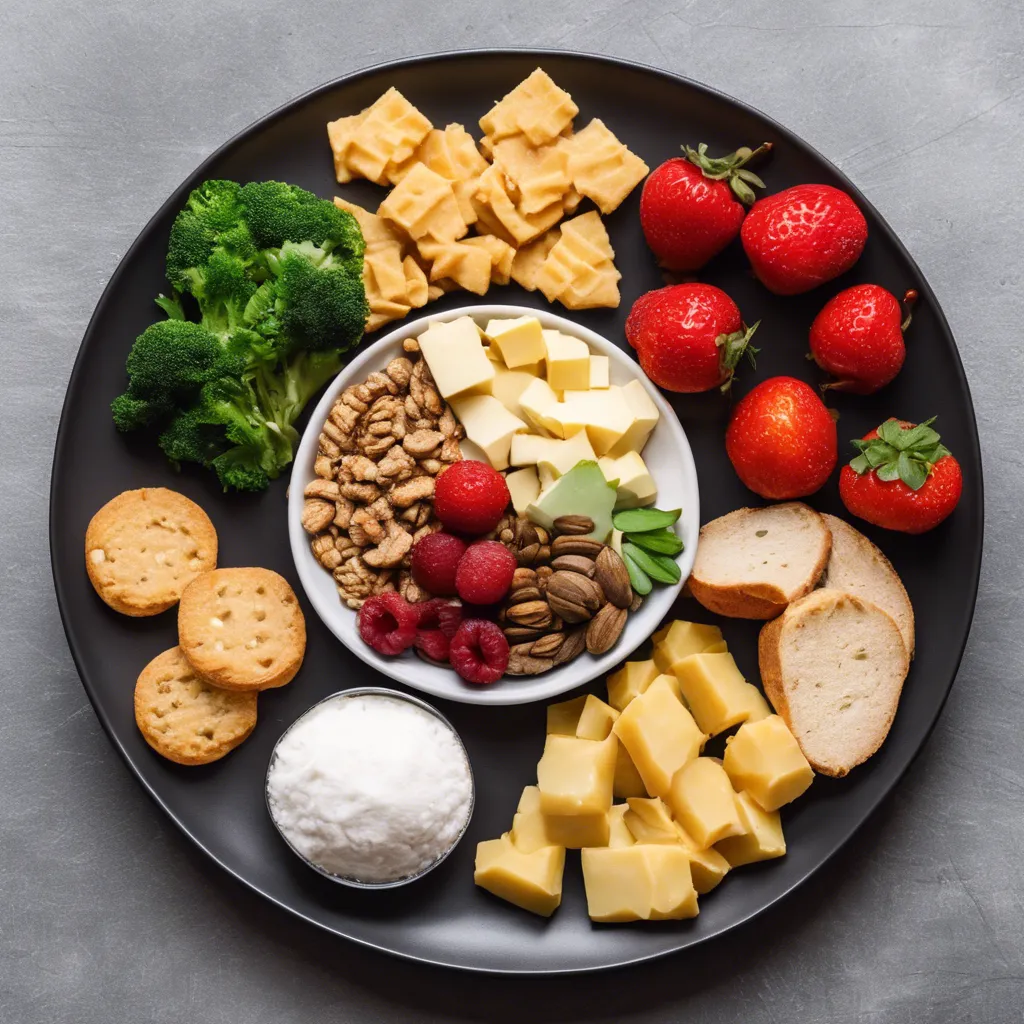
373,691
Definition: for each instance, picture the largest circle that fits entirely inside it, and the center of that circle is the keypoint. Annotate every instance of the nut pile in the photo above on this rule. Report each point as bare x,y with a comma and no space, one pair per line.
570,594
381,447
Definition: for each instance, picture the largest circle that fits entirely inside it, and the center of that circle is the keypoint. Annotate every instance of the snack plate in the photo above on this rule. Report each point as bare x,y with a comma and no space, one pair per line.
443,919
668,457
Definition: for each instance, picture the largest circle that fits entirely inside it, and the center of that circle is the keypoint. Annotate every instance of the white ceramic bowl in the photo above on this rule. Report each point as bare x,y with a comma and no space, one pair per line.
667,455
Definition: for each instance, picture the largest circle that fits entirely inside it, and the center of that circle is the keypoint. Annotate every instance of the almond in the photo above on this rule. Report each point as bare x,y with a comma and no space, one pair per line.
535,614
611,572
548,645
605,629
576,546
574,525
575,563
572,596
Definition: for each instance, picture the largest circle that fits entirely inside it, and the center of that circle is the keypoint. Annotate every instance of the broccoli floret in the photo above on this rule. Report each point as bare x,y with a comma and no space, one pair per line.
210,211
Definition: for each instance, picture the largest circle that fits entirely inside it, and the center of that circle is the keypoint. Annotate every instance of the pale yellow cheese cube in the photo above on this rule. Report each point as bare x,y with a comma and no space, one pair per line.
531,449
761,839
643,415
567,360
718,647
703,801
680,639
630,681
627,781
600,372
519,339
561,456
575,776
529,826
546,475
562,718
596,719
617,883
456,358
489,425
507,387
635,487
523,488
707,867
494,354
660,736
532,881
603,414
764,760
539,402
618,835
673,895
650,821
716,692
533,829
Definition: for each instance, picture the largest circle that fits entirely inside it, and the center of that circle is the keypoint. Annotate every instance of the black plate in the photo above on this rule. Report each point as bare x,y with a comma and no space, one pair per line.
444,919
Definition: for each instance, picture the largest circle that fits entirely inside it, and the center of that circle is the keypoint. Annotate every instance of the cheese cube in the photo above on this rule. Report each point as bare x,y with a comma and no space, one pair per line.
600,372
703,801
507,387
529,826
596,719
568,361
563,718
635,487
650,821
603,414
618,835
529,449
707,867
563,455
494,354
519,340
539,402
575,776
523,488
660,736
643,415
532,828
717,694
630,681
679,639
456,358
638,883
764,760
532,881
546,475
761,839
489,425
627,781
673,895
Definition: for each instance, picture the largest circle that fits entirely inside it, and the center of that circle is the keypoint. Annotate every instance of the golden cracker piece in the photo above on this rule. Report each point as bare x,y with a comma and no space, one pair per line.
423,204
601,167
536,108
144,547
242,629
184,718
387,136
497,213
502,254
540,174
469,266
578,270
530,258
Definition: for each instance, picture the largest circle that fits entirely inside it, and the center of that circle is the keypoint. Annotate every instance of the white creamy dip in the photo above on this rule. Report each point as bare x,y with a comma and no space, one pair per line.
370,787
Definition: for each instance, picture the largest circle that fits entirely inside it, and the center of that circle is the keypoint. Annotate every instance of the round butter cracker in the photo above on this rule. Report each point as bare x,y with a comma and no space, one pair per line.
144,547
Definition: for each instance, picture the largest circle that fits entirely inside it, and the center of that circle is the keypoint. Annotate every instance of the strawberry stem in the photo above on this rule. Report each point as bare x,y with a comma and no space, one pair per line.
731,168
733,348
909,301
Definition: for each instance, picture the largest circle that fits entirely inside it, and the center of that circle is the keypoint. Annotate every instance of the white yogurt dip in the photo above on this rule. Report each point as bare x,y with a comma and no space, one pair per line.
370,787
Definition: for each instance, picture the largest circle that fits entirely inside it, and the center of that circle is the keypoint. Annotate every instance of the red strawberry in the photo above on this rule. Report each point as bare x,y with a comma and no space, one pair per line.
802,237
903,478
781,439
485,572
858,337
688,337
435,560
692,209
470,497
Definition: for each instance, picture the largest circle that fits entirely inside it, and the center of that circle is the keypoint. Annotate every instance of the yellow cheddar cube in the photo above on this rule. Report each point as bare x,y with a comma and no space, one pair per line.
600,372
567,360
673,895
519,340
532,828
532,881
630,681
538,401
718,647
707,867
456,358
638,883
561,456
575,776
764,760
529,825
761,839
716,692
563,718
704,803
660,736
508,385
679,640
596,719
603,414
650,821
618,835
489,425
634,487
627,781
523,488
643,416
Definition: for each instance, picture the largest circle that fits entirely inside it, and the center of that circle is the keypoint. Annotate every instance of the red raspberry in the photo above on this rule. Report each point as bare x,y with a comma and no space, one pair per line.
470,497
433,644
387,623
485,572
434,561
440,614
479,651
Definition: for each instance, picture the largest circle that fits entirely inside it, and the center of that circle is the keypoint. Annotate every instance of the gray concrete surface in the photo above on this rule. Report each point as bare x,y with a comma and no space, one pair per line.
106,914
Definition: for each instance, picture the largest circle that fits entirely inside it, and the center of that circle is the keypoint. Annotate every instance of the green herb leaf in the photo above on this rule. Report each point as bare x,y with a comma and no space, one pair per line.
638,520
662,542
638,579
658,567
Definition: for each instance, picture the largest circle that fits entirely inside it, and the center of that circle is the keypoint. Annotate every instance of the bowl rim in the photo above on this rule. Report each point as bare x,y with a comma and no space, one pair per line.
387,693
560,679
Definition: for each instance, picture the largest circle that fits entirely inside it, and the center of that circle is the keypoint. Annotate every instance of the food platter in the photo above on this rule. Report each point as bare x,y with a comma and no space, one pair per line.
444,919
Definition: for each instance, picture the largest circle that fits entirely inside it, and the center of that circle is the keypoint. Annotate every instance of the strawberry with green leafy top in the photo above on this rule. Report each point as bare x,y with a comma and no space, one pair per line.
904,478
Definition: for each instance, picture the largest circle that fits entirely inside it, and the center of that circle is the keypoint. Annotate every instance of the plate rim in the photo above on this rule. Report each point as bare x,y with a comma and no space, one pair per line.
174,200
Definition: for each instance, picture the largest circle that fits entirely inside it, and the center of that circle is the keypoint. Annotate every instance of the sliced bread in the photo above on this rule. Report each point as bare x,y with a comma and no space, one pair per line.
752,562
858,567
833,666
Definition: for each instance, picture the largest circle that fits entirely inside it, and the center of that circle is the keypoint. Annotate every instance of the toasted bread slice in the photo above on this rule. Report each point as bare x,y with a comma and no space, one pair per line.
833,666
752,562
858,567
